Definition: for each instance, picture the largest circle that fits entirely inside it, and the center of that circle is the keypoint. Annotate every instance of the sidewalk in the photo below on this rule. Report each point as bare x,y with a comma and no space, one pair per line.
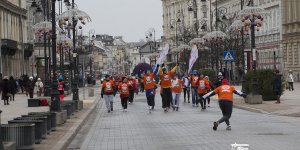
289,106
64,133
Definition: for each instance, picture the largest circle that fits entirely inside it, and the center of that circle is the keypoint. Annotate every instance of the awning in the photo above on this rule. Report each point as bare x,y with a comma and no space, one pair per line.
28,50
9,47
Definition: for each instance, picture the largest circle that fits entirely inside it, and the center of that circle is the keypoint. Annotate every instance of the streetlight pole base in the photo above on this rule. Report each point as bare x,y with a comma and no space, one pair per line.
47,88
75,93
55,101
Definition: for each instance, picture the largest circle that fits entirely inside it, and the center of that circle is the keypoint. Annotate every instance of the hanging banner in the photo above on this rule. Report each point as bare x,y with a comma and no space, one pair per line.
193,57
163,54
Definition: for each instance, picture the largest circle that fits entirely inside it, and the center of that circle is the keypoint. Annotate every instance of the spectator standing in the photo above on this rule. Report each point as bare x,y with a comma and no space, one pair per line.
39,87
12,87
277,85
291,80
5,90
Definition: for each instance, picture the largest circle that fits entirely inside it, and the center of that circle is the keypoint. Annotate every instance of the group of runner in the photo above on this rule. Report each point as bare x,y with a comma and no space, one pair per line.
171,87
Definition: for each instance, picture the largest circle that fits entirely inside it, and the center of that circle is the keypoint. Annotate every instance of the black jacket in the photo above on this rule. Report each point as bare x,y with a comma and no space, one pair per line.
277,83
5,89
12,86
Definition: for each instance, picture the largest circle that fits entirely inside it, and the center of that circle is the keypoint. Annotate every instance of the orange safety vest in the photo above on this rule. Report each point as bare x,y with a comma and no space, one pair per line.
166,80
123,88
178,87
225,92
108,86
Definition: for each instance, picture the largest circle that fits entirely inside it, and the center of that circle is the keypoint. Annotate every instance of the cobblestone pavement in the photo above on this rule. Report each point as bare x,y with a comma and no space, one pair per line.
188,129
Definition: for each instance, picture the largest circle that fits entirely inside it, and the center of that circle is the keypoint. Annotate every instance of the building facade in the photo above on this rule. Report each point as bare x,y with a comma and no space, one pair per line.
13,36
291,36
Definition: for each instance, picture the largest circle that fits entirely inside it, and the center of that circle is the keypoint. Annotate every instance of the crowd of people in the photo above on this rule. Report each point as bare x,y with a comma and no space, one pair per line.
171,86
28,85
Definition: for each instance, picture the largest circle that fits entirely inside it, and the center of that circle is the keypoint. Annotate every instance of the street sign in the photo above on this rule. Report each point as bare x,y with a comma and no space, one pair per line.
228,56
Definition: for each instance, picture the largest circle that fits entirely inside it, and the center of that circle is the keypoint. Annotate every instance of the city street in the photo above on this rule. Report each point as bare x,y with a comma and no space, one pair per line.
188,129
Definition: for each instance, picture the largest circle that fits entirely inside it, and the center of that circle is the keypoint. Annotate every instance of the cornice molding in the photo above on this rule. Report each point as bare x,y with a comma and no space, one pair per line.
5,5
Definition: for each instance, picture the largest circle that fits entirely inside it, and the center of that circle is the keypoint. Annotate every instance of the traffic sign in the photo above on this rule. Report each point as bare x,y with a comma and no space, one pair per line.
228,56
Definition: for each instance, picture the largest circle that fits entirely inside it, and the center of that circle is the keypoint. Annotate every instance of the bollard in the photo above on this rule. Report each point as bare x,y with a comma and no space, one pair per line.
1,143
22,134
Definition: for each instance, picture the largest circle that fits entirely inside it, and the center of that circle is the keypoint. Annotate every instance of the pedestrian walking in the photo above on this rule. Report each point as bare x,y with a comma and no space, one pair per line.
291,80
194,81
186,88
61,87
218,82
225,96
277,85
30,87
13,88
176,92
39,87
5,90
166,85
210,87
124,92
107,93
203,86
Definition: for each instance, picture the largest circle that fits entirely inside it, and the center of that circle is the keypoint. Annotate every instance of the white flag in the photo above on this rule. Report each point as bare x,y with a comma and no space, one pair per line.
193,57
162,56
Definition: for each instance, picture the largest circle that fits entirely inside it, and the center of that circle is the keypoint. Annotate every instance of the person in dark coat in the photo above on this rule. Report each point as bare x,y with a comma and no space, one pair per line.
30,87
277,83
5,90
12,87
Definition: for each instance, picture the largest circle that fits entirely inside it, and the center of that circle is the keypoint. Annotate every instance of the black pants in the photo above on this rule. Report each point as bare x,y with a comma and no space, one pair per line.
31,94
124,102
208,100
226,108
186,92
167,97
291,86
131,95
150,101
202,100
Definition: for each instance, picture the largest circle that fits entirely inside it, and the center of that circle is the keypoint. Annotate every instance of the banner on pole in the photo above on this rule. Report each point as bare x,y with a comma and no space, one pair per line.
193,57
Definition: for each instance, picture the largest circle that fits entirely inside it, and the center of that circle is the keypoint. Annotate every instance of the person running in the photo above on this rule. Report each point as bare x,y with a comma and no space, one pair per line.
194,81
176,91
186,88
150,87
132,83
203,86
225,94
210,87
124,92
107,93
166,85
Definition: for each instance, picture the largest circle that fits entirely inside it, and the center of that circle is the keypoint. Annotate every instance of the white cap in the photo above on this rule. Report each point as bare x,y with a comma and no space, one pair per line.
220,74
39,79
31,78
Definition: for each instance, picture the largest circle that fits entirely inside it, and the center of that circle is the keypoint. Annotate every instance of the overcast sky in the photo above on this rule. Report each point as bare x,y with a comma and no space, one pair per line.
127,18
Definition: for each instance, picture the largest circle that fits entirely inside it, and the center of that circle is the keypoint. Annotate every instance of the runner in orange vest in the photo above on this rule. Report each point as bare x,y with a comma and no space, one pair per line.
176,91
124,92
107,93
166,85
150,87
203,87
225,94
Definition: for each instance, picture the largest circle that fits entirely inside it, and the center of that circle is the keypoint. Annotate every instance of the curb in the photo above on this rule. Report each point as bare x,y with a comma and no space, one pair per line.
71,134
250,109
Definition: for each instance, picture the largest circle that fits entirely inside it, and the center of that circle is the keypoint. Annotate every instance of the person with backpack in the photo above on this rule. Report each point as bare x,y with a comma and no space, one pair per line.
225,95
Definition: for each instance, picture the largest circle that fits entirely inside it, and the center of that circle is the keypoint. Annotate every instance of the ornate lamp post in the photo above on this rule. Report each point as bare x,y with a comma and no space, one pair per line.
91,39
70,19
252,19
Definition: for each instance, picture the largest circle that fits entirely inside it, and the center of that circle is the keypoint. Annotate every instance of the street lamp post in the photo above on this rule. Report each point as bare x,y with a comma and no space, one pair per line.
91,32
252,19
55,101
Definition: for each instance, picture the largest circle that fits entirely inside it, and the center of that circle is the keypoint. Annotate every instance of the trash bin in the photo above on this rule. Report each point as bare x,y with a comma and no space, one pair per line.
1,142
51,115
91,92
22,134
38,128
